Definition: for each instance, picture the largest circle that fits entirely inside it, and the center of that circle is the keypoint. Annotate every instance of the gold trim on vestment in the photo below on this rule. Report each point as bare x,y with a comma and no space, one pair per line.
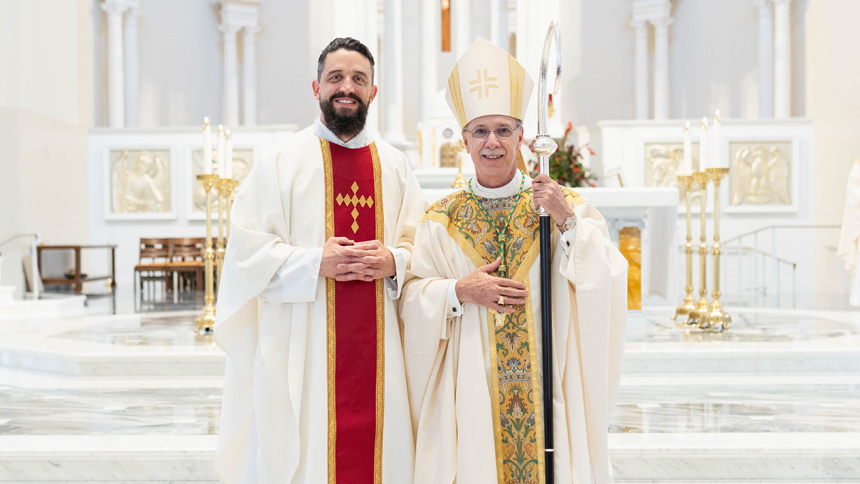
456,96
380,321
330,317
530,321
517,79
515,380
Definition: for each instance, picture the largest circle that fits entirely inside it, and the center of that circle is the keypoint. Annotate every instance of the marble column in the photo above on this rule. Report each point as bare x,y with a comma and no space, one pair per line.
765,58
661,67
641,68
116,83
429,45
394,73
230,83
249,76
463,26
494,23
782,59
131,102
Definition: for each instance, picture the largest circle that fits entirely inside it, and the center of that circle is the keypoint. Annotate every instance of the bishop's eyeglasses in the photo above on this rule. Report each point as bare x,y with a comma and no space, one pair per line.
484,133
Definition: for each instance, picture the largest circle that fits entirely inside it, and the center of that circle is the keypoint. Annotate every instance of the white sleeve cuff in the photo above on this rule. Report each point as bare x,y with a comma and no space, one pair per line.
394,284
296,279
567,241
455,309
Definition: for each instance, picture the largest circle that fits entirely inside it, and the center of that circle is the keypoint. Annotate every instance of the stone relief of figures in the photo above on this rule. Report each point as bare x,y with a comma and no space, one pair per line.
761,174
140,181
242,161
663,163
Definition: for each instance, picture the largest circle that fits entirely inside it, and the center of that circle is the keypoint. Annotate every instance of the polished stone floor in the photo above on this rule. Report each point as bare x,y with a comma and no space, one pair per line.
779,391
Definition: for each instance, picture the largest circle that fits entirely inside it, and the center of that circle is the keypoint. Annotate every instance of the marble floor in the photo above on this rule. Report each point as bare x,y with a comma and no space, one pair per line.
136,398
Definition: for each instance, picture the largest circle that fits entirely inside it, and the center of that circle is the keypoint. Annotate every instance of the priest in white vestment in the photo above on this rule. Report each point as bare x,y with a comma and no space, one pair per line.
471,308
321,238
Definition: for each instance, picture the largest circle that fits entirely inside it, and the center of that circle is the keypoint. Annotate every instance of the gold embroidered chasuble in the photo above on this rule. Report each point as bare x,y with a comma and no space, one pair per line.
517,404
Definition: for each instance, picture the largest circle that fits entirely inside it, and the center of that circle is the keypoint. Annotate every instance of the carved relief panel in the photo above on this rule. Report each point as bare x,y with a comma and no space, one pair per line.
139,182
760,174
663,163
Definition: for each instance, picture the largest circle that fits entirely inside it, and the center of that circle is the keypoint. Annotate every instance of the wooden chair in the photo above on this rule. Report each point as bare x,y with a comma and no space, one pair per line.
187,261
149,275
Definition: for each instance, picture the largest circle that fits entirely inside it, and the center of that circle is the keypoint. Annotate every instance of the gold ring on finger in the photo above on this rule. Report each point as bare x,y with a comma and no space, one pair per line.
501,300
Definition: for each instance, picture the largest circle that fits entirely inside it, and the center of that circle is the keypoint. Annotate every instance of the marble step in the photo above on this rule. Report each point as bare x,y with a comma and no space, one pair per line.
736,457
117,459
758,341
111,346
88,365
637,458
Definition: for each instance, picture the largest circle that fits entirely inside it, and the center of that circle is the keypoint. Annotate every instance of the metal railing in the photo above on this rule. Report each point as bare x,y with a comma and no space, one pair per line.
34,241
756,262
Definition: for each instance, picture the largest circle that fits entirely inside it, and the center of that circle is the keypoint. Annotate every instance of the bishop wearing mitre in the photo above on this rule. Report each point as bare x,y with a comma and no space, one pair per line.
322,231
472,306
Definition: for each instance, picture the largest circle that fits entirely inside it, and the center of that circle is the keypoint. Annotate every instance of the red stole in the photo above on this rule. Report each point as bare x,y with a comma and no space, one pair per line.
355,321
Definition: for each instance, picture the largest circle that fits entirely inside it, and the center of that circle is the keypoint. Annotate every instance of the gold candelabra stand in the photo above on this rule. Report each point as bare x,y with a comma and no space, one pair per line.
717,319
225,188
206,321
699,315
687,307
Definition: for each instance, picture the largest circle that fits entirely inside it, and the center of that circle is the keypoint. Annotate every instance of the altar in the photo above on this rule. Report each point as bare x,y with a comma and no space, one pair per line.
648,214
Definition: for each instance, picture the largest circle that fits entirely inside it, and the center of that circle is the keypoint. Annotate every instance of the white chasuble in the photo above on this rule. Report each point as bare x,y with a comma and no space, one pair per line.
475,405
280,414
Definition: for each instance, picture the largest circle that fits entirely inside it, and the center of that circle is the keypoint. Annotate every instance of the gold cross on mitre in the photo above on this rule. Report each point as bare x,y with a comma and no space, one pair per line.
486,86
355,201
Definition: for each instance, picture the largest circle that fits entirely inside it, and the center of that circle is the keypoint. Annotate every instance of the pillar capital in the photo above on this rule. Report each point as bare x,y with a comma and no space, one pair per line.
640,25
240,13
116,7
661,23
651,10
780,3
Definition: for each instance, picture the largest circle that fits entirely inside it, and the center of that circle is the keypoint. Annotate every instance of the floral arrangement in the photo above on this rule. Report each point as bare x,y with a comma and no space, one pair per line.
565,165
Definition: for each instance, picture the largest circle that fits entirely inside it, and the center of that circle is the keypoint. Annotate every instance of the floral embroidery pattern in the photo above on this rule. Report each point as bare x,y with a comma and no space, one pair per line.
519,435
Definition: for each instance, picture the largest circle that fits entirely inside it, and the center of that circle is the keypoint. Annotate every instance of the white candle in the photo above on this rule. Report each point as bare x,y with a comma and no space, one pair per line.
229,157
207,147
717,161
221,150
703,145
688,151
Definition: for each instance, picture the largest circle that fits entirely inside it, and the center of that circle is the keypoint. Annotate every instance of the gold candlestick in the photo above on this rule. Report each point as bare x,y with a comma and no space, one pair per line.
229,186
222,192
205,322
687,307
718,320
699,316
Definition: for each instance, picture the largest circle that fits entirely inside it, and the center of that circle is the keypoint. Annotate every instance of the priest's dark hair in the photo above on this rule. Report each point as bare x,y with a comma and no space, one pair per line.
346,43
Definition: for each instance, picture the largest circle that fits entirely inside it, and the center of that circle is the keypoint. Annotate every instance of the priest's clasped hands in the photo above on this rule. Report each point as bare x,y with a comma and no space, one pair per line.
345,260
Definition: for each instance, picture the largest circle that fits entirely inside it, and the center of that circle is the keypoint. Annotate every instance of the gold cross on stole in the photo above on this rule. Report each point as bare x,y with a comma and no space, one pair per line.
355,201
485,85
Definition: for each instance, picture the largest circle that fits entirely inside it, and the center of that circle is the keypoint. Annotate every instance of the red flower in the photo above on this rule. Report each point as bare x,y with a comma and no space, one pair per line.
592,184
575,169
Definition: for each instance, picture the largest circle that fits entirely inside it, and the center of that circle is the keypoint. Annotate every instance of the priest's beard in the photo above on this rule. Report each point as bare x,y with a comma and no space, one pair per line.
344,125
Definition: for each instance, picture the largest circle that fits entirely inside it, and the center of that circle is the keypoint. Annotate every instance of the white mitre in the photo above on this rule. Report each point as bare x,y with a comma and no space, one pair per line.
487,80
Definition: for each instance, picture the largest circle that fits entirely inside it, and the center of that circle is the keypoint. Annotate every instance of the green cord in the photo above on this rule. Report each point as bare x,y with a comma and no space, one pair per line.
502,234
